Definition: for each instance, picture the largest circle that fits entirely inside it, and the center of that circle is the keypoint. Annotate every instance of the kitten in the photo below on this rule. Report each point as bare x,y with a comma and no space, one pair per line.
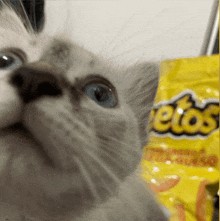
72,130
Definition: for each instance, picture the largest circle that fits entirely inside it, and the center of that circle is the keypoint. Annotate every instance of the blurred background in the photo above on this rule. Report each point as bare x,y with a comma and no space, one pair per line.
135,30
131,30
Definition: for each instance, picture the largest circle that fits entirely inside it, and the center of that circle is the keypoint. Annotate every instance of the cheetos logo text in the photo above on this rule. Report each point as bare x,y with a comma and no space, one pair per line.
184,116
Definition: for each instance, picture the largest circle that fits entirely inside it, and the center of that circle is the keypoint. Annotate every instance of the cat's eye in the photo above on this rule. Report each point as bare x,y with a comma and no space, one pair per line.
10,61
101,94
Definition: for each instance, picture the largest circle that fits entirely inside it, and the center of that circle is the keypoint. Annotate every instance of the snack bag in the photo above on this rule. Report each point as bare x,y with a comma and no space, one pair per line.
182,157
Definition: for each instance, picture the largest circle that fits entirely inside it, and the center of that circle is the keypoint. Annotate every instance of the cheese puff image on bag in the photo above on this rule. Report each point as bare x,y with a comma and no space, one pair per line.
182,158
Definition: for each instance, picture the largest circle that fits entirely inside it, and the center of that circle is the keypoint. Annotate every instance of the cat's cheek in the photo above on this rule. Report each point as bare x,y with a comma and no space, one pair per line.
11,106
34,182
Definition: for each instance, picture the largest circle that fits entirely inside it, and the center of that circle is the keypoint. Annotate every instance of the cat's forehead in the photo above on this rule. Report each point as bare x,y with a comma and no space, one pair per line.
75,61
67,55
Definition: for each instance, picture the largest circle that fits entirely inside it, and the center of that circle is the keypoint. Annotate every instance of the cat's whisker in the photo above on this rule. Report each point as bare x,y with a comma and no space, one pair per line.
124,53
101,164
119,42
107,148
87,177
123,41
118,141
124,153
96,171
118,34
115,162
26,18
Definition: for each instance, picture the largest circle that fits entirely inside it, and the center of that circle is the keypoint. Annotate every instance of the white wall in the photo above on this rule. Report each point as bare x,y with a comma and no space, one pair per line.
131,30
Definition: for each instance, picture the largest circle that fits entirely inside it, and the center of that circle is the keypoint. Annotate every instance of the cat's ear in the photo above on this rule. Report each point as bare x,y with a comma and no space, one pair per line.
14,17
35,13
141,94
9,18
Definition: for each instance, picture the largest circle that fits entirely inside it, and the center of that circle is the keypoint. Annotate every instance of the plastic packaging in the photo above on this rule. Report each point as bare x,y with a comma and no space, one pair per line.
181,161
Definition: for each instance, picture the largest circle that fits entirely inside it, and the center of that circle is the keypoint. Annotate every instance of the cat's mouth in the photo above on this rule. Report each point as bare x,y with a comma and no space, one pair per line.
17,127
19,130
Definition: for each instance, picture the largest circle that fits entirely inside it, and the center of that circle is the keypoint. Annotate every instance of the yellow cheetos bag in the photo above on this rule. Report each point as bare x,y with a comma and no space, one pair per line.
182,158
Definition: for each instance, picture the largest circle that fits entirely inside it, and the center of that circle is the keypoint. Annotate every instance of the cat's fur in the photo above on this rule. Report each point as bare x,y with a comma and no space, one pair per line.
78,160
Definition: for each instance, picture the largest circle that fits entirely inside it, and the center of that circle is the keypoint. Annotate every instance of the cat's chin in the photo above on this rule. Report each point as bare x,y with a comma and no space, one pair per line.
33,172
21,136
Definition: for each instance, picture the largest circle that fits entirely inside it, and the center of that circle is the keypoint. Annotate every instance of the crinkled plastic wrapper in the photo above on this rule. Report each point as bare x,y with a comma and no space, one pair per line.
181,161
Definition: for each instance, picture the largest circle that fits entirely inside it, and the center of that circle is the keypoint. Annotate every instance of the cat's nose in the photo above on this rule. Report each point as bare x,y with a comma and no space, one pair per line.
33,83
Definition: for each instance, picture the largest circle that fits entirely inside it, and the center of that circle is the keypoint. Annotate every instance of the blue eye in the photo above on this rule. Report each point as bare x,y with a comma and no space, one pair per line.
10,61
101,94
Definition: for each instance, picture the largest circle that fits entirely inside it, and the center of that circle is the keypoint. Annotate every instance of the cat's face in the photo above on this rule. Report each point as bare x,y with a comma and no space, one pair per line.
72,126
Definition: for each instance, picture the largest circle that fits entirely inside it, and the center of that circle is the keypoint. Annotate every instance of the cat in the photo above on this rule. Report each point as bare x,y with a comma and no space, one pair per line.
72,130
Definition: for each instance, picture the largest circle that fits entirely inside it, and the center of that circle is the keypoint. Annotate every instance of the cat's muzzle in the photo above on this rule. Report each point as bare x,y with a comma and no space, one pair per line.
33,83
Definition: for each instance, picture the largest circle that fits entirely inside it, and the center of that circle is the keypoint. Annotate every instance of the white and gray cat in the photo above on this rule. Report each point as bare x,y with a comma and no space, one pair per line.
72,130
